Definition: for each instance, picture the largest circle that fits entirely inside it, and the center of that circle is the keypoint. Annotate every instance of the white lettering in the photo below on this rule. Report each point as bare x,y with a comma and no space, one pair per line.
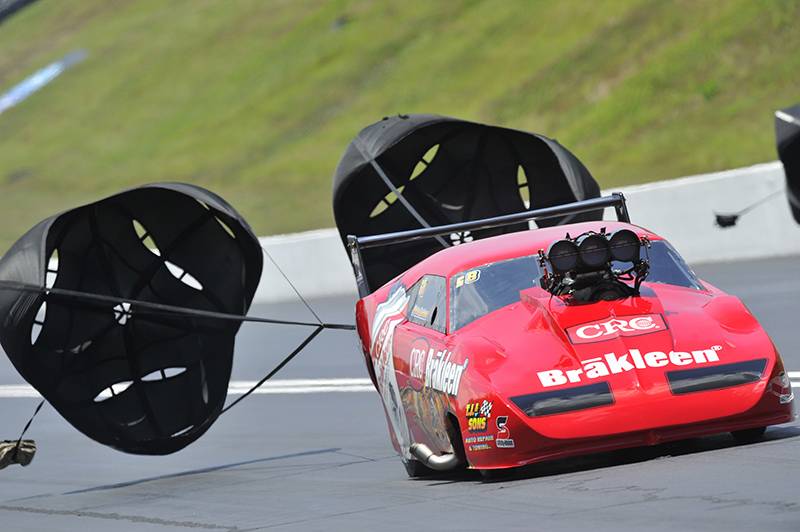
610,363
656,359
574,375
680,358
594,367
638,361
642,324
705,355
443,375
613,326
417,362
582,332
631,326
552,378
618,365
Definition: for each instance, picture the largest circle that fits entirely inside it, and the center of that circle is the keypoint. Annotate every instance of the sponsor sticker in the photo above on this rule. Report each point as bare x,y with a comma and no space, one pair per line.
468,278
420,312
504,440
443,374
416,359
606,329
611,364
478,414
388,315
479,443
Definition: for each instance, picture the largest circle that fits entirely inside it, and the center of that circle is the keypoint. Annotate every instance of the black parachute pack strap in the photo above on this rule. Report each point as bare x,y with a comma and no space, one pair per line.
320,327
159,308
277,368
22,451
303,344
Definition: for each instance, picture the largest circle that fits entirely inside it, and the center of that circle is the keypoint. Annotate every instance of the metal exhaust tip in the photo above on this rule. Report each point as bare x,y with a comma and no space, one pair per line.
444,462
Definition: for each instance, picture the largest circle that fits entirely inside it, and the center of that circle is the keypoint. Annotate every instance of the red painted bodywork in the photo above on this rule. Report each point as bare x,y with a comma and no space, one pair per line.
506,348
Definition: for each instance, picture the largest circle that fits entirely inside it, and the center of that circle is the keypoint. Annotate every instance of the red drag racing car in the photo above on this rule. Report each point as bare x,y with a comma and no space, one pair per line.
560,341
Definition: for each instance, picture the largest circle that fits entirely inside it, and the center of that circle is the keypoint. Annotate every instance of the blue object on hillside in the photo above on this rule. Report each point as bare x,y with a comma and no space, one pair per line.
19,92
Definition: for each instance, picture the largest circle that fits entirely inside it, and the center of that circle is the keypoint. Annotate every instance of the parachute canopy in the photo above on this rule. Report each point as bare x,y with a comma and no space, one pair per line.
787,136
412,171
120,371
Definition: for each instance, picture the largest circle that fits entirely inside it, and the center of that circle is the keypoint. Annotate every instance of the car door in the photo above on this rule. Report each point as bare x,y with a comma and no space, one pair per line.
418,339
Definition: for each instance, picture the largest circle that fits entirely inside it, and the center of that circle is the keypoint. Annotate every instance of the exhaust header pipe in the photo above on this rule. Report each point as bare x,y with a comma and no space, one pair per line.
423,453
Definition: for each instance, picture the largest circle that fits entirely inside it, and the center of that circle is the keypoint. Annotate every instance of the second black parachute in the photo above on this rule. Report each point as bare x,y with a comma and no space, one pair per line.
412,171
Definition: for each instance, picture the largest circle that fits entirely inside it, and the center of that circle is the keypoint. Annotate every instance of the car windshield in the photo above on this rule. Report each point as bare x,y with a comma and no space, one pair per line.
484,289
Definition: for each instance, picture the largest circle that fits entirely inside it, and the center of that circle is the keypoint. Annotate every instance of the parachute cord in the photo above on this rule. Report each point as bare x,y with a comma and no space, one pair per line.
296,291
277,368
759,202
27,426
147,307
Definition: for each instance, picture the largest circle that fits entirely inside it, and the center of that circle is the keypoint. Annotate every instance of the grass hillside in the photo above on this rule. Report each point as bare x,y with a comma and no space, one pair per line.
257,99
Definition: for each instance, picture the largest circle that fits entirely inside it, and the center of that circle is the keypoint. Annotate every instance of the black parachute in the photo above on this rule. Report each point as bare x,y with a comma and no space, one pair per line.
120,366
412,171
787,136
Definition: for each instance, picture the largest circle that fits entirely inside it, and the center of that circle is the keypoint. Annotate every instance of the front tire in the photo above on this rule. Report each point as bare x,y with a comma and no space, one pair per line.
494,475
749,435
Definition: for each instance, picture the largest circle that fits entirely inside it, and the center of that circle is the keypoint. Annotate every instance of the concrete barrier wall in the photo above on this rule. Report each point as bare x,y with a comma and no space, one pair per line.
314,261
681,210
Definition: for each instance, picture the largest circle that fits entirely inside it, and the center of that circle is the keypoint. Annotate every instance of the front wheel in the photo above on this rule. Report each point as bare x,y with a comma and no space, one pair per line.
749,435
494,475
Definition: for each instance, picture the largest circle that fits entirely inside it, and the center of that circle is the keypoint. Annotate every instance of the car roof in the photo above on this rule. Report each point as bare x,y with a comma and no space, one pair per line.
455,259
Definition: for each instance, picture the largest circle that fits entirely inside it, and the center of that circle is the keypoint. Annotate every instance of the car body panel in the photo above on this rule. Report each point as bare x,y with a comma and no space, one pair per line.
674,362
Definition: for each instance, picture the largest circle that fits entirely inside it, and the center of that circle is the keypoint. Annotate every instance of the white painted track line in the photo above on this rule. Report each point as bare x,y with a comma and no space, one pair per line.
281,386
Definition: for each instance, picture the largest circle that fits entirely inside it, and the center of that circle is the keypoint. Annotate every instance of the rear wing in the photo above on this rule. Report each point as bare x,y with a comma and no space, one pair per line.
356,243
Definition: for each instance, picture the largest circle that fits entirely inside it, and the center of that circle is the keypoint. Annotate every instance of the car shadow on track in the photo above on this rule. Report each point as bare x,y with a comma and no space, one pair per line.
204,470
614,458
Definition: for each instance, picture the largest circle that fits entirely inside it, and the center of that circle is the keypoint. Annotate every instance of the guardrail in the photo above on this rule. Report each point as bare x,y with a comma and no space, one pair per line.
681,210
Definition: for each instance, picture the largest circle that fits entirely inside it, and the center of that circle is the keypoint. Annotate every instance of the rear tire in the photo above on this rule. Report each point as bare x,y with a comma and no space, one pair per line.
415,469
749,435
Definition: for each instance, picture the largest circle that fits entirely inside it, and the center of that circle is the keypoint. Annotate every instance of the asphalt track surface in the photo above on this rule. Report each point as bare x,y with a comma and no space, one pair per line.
322,461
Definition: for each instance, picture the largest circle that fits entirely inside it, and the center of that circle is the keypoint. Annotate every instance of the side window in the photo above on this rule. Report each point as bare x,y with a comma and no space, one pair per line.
428,302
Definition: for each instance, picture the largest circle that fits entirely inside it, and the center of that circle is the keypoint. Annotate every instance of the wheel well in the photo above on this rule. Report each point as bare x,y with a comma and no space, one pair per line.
457,441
